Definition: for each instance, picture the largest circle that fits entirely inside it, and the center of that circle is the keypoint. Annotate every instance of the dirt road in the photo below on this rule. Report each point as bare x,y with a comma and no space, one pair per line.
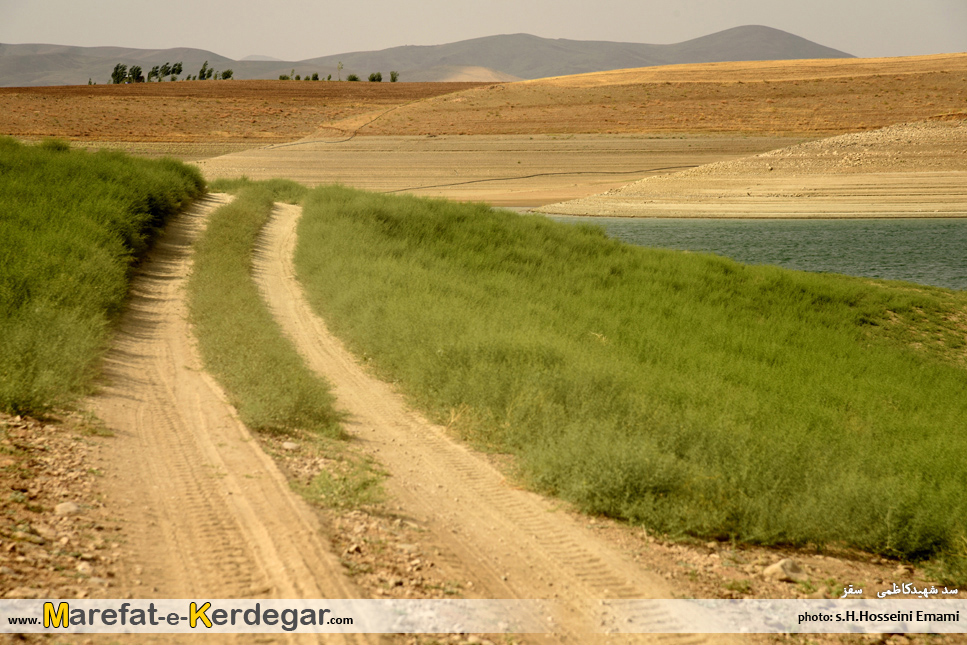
509,543
205,512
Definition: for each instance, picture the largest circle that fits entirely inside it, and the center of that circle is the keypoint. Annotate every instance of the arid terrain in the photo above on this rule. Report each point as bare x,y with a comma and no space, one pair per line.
906,170
206,113
165,476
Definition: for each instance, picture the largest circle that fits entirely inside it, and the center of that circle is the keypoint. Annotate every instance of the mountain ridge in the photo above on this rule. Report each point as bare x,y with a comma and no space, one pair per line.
504,57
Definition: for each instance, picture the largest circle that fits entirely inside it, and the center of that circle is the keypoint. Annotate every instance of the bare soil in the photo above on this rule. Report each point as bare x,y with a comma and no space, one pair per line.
501,170
906,170
207,112
793,98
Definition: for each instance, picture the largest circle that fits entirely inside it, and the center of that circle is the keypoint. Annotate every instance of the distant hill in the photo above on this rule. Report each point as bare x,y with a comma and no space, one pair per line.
493,58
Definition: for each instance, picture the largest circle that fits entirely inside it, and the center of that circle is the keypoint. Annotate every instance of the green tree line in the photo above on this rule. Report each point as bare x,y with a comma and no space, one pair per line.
135,74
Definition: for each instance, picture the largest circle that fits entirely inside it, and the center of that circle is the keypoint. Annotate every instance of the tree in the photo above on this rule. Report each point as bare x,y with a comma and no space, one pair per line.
154,73
339,69
394,76
285,77
315,76
376,77
227,74
352,77
176,71
165,70
135,74
119,74
298,77
329,78
203,72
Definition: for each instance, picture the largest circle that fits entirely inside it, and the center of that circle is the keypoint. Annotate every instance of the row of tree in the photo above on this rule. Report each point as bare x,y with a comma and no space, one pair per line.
375,77
123,74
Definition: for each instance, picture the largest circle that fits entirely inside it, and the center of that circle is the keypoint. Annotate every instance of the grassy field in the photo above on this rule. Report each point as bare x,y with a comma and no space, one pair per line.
71,226
240,343
685,392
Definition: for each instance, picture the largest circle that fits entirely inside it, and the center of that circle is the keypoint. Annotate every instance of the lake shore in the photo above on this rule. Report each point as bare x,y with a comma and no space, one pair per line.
908,170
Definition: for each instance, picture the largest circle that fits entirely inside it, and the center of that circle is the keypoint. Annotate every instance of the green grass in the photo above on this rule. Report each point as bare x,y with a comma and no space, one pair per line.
686,392
72,224
240,343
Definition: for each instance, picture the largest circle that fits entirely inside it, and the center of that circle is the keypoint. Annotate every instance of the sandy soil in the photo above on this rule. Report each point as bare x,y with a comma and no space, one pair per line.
906,170
502,170
203,510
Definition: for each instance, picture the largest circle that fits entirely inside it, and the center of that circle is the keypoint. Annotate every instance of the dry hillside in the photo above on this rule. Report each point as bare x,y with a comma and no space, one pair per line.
811,98
905,170
233,111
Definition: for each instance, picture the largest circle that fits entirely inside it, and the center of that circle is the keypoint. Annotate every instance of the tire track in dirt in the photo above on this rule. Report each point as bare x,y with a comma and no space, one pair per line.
205,512
506,542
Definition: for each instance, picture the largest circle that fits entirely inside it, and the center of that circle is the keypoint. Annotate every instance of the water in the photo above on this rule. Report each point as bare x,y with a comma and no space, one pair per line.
925,251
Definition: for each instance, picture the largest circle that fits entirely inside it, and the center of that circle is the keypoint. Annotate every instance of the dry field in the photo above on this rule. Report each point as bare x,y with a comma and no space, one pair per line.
210,112
797,98
503,170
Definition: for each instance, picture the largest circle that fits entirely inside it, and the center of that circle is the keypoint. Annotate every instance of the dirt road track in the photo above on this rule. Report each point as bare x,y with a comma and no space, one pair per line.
206,513
507,542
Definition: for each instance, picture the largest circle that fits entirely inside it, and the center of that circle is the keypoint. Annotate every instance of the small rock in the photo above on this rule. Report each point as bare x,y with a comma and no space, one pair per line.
67,508
45,532
29,537
787,570
712,546
818,595
904,570
290,445
84,568
101,582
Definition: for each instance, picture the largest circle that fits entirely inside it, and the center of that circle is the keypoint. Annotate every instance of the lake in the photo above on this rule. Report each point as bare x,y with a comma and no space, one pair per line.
925,251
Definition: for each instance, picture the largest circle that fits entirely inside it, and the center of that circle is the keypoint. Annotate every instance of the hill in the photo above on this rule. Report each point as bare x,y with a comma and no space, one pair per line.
492,58
531,57
797,98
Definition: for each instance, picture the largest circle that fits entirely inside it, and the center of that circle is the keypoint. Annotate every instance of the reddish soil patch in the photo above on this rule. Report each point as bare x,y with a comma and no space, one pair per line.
227,111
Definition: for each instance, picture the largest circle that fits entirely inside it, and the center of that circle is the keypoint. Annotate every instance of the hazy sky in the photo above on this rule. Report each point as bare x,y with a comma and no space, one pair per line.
300,29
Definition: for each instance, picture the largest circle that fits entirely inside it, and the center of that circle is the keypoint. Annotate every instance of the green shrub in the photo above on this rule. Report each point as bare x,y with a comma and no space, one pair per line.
352,77
72,223
376,77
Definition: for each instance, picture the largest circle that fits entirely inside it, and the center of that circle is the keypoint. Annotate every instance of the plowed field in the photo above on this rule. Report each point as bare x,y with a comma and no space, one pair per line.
199,112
